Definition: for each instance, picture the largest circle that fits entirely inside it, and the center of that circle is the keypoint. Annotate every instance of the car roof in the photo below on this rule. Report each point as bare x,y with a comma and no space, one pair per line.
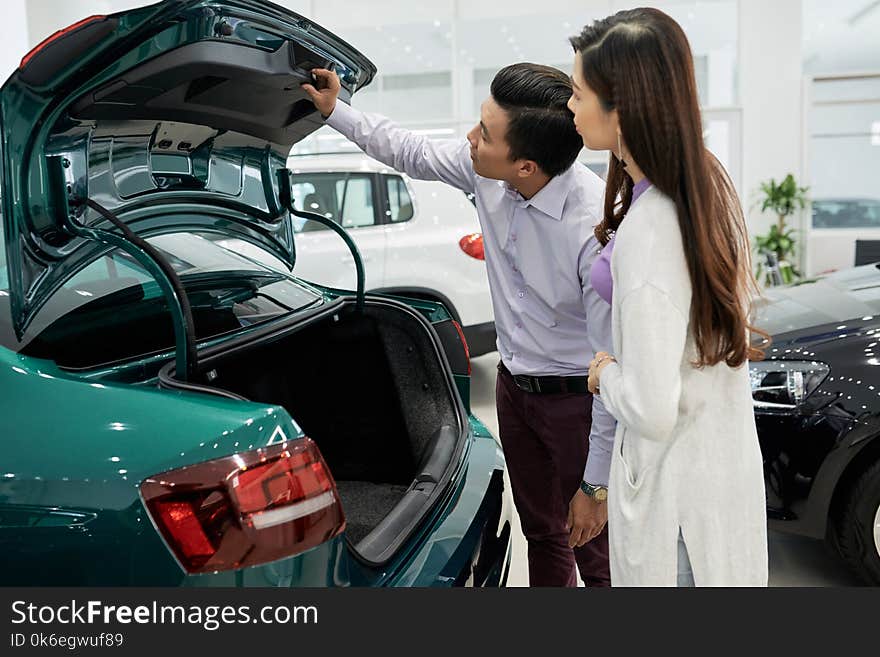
337,162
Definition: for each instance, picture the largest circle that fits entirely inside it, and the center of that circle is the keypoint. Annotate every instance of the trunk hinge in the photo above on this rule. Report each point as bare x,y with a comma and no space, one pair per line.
149,257
285,183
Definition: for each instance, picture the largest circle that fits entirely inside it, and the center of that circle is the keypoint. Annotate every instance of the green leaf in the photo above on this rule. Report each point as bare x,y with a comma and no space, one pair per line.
782,198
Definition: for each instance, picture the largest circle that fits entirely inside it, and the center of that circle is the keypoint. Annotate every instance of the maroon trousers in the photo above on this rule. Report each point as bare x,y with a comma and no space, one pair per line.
546,440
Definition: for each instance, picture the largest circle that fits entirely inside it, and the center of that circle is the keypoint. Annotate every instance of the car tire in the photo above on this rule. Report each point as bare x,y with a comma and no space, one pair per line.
858,526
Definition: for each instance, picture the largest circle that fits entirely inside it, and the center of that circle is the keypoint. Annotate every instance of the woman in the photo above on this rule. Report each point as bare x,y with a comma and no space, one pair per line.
686,488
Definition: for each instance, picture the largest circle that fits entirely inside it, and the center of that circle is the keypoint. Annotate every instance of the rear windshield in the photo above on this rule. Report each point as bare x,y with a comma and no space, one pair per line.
113,310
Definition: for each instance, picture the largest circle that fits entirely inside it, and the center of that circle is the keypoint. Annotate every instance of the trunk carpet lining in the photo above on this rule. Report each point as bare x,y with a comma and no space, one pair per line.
366,504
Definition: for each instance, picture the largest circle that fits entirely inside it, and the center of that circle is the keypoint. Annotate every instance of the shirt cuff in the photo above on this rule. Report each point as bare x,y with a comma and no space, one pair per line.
342,117
596,472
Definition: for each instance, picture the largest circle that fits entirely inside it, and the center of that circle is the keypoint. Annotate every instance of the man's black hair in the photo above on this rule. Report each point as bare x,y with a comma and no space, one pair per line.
541,127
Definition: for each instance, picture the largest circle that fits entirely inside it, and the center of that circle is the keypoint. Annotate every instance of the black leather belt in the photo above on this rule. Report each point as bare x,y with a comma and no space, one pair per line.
547,385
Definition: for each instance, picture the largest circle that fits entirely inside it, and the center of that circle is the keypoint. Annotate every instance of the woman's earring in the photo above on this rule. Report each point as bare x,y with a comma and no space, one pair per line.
620,151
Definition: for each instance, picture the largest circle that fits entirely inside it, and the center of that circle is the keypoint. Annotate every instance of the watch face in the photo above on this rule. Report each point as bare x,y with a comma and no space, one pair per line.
601,495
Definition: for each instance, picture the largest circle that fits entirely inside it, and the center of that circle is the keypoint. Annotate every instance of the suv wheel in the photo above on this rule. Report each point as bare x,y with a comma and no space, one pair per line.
858,526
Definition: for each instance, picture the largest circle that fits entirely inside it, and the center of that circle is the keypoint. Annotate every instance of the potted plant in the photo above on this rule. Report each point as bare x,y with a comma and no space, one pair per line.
777,247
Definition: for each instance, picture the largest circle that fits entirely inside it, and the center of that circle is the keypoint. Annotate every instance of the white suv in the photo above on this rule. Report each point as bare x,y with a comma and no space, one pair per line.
418,239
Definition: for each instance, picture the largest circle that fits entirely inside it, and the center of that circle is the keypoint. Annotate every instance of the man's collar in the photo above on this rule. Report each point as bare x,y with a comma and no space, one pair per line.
551,198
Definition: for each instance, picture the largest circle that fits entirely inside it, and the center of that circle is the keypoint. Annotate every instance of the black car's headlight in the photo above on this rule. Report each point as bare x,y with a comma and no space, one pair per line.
784,384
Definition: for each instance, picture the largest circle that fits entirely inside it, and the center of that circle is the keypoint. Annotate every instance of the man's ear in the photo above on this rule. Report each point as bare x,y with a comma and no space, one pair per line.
527,168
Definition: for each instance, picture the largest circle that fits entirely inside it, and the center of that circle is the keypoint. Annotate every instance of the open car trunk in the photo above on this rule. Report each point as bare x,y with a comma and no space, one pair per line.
374,391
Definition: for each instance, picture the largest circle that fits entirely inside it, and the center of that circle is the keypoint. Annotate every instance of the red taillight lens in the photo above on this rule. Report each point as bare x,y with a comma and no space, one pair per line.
191,538
246,509
473,246
57,35
464,344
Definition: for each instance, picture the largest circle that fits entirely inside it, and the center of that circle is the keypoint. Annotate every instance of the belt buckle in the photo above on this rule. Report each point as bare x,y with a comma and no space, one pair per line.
523,383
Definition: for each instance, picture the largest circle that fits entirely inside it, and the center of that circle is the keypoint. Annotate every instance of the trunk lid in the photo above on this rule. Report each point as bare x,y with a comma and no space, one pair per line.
178,116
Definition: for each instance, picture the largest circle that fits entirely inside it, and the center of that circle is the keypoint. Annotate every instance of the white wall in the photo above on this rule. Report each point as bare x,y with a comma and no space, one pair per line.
47,16
14,43
771,96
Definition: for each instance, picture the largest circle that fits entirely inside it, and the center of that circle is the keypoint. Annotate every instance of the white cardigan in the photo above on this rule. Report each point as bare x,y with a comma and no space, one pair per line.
686,453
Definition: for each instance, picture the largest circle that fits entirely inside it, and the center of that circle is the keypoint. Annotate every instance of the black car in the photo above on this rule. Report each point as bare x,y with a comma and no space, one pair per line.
817,406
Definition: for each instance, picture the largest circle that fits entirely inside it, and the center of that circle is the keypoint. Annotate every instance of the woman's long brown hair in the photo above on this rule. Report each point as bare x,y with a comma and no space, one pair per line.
639,62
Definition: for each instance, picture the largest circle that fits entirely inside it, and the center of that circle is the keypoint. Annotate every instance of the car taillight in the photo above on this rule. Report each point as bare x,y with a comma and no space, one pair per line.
246,509
57,35
473,246
464,344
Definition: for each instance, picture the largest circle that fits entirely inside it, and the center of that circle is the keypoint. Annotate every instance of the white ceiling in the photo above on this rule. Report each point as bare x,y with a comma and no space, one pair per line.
415,41
839,35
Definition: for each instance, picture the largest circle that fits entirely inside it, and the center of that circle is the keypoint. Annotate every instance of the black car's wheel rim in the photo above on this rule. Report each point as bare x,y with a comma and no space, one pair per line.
877,530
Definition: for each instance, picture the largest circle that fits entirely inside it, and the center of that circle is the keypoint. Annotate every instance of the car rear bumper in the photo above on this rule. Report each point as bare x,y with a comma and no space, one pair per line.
469,544
489,563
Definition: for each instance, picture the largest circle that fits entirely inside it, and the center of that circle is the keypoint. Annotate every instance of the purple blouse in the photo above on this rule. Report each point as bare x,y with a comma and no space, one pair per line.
600,274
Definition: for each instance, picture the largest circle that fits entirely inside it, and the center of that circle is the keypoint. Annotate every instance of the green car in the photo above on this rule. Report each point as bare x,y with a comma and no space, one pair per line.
175,413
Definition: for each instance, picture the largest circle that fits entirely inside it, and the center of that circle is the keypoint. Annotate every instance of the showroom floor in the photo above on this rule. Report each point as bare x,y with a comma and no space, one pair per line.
794,561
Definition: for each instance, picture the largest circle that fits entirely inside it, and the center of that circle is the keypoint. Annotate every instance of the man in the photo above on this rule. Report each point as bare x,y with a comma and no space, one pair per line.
537,209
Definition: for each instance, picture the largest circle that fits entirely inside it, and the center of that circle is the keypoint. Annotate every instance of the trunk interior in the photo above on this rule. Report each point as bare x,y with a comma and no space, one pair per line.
371,391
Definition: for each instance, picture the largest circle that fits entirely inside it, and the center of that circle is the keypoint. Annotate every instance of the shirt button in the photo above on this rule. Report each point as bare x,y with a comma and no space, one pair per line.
521,294
513,237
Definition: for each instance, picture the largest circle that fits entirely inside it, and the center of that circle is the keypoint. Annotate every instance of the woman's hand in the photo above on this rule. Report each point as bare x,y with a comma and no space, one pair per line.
599,362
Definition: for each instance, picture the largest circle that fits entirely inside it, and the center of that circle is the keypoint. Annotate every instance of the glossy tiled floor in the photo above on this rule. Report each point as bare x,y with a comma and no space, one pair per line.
794,561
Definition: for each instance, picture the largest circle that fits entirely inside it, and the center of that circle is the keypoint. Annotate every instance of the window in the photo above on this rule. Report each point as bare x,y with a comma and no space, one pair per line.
112,309
400,207
845,152
846,213
345,196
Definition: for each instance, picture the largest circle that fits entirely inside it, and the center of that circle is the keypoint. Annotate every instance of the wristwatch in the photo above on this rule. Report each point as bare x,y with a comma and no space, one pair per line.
598,493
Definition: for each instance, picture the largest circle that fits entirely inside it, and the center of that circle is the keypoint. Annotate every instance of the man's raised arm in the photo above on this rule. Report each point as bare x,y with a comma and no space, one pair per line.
448,161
